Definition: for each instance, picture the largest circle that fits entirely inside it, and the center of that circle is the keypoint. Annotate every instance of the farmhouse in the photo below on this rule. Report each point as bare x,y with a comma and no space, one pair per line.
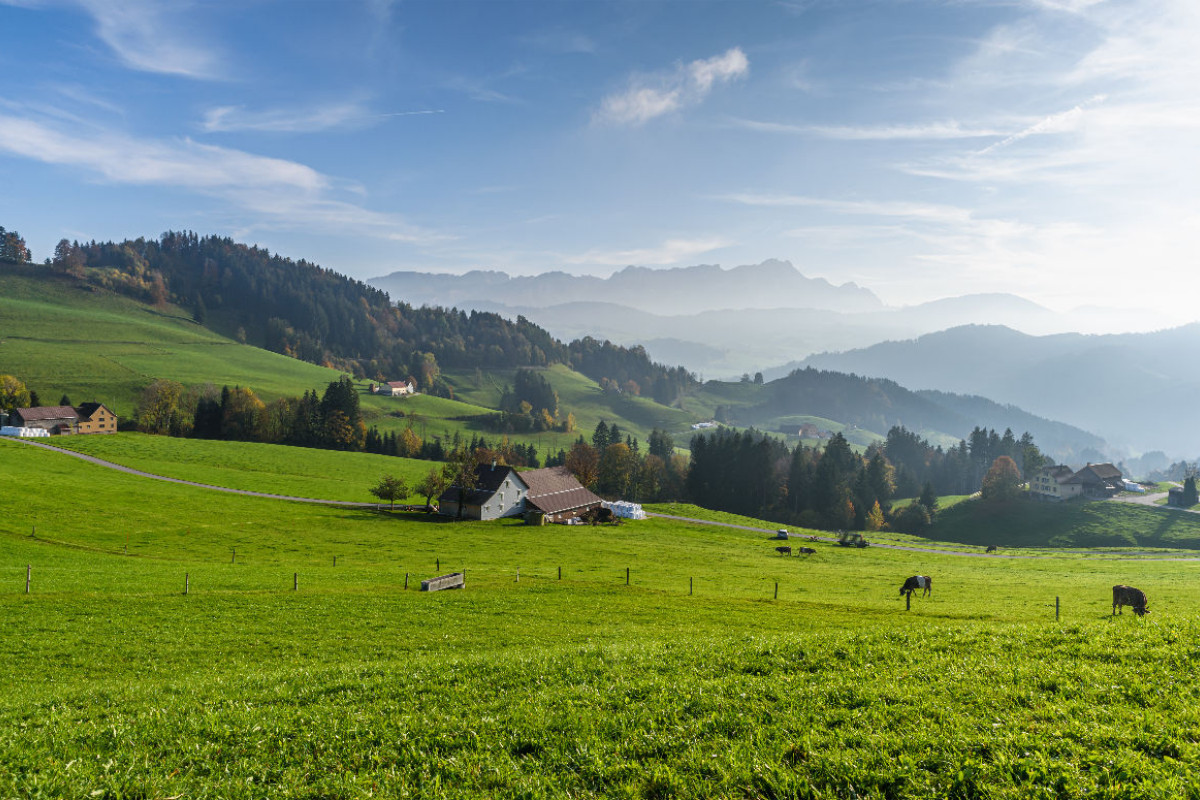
1060,482
499,492
1054,483
96,418
394,388
503,492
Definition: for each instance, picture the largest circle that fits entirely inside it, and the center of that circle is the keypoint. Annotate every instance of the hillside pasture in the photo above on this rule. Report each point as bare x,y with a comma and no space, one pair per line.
120,685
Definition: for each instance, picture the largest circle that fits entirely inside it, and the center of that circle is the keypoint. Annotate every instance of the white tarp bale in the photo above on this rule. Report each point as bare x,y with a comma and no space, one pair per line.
23,433
626,509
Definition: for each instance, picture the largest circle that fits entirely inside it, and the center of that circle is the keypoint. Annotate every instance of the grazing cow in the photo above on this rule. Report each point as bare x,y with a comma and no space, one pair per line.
918,582
1129,596
806,551
991,548
783,551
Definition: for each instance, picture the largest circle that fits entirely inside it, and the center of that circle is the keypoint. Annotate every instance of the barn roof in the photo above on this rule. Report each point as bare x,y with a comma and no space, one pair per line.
555,489
41,413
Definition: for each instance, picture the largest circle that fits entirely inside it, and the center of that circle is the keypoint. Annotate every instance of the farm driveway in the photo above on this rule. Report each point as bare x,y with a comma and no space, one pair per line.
101,462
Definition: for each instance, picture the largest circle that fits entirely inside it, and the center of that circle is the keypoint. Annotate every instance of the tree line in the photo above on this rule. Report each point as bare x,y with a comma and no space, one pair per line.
834,488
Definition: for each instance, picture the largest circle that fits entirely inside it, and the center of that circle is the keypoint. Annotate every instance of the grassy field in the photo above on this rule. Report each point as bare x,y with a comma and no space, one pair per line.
1025,523
255,467
119,685
96,346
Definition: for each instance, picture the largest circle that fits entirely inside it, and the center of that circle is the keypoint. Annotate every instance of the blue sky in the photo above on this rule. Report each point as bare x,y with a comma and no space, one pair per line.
922,149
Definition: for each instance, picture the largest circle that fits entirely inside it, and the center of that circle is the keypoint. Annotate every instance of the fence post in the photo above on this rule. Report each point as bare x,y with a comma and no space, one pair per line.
690,586
28,574
560,573
233,558
776,590
187,582
335,561
1056,607
295,581
518,574
627,576
406,581
439,564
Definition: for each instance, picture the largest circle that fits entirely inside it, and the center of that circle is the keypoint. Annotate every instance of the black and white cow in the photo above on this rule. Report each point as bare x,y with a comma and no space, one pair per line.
918,582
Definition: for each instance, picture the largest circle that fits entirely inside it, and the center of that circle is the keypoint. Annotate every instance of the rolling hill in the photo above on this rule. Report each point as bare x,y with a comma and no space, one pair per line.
1134,389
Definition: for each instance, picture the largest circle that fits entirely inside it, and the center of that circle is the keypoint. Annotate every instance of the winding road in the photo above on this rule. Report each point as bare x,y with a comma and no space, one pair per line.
1146,500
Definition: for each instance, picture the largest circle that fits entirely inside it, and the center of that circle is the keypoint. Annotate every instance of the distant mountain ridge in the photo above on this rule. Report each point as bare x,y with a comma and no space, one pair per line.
1137,390
678,290
878,404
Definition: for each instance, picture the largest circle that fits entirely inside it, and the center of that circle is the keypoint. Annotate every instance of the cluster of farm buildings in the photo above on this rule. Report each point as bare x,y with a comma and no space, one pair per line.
58,420
538,495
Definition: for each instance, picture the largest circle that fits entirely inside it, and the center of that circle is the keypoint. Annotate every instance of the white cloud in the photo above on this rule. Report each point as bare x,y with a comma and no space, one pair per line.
916,131
671,251
305,120
152,37
281,192
650,96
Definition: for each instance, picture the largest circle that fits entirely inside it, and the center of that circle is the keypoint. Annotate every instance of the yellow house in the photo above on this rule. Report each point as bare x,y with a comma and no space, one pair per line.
96,418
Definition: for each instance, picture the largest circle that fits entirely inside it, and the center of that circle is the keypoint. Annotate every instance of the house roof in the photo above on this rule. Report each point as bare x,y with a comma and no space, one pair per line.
41,413
86,410
1099,472
555,489
398,384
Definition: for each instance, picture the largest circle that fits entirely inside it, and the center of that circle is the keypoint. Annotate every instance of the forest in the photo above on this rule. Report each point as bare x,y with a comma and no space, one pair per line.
315,314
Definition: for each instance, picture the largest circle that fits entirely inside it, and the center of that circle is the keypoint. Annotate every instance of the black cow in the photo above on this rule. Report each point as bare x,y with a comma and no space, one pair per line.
806,551
783,551
1128,596
991,548
918,582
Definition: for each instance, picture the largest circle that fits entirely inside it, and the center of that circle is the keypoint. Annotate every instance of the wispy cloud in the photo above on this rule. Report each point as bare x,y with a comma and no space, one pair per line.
153,37
672,251
917,131
307,120
650,96
281,192
930,212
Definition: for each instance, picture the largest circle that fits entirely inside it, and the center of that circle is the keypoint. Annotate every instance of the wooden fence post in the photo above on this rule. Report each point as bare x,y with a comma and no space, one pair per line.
518,574
776,590
187,582
439,565
233,558
1056,607
295,581
406,581
690,586
335,561
28,575
627,576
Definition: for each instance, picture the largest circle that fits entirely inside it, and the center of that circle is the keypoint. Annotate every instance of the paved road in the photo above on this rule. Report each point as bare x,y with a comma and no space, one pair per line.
109,464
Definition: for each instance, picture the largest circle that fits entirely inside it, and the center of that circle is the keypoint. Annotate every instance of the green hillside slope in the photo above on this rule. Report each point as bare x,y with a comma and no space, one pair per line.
97,346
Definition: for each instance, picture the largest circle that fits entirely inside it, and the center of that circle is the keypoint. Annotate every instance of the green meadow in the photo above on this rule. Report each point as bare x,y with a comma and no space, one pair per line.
721,669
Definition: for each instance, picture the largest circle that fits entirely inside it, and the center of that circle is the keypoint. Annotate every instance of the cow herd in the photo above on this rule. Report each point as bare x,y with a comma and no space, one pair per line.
1122,595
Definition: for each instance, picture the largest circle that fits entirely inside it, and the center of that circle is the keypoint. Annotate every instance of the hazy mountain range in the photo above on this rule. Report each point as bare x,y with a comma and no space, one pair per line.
722,323
1137,390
